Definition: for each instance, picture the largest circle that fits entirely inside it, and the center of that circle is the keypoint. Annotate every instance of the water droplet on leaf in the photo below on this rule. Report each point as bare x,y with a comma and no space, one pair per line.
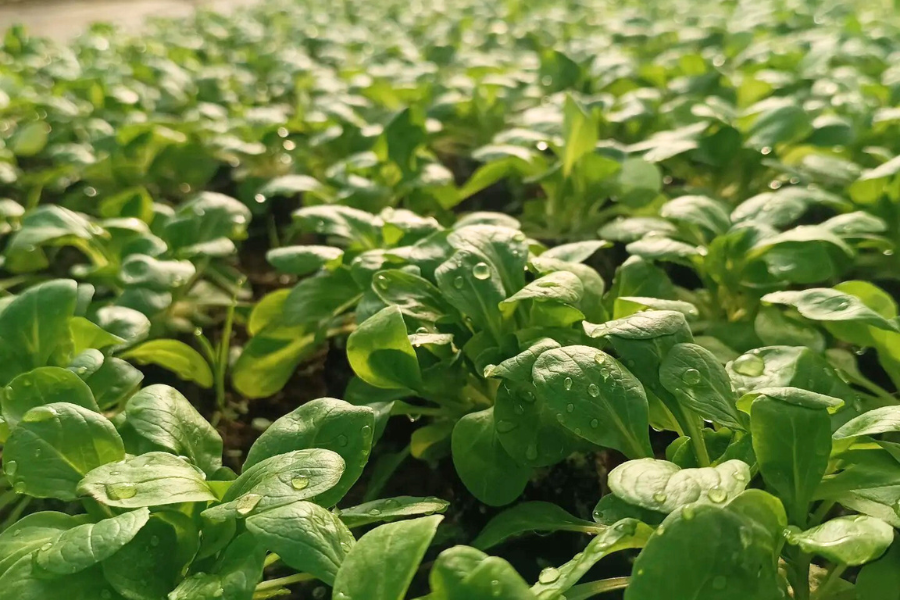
717,494
749,365
121,491
691,377
593,390
10,467
481,271
567,383
458,283
300,482
245,504
548,575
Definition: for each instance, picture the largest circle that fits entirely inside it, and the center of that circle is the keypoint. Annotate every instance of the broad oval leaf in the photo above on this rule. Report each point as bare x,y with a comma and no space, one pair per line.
851,540
305,536
175,356
380,352
86,545
163,416
543,517
662,486
401,545
55,446
152,479
41,386
279,480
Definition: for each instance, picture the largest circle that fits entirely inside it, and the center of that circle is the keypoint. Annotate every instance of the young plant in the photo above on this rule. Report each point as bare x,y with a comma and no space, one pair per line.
162,516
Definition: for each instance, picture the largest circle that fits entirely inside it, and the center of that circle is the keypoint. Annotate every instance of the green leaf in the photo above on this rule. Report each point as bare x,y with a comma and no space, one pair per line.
35,326
322,423
463,573
558,287
30,533
114,382
575,252
415,296
175,356
147,568
41,386
475,297
293,185
235,576
707,214
880,580
139,270
662,486
305,536
380,352
86,335
270,358
485,468
321,297
86,545
885,419
700,383
152,479
848,540
503,248
714,552
55,446
164,417
30,139
625,306
624,535
527,517
401,545
639,182
792,442
24,581
206,224
595,397
359,228
824,304
389,509
303,260
779,125
278,481
580,131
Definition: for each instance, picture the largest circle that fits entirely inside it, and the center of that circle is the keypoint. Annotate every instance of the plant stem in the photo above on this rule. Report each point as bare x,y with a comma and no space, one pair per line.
283,582
833,576
271,559
697,441
800,578
821,512
588,590
221,364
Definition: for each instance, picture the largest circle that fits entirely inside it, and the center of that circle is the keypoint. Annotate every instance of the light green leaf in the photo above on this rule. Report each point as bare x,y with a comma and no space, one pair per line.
175,356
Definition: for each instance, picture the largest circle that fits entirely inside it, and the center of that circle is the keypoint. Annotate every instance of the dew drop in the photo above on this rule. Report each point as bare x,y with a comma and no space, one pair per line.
342,440
570,408
481,271
595,423
548,575
505,426
245,504
496,589
688,513
519,237
381,281
593,390
749,365
19,488
46,547
717,494
375,512
661,530
691,377
39,413
531,452
121,491
300,482
10,467
219,592
567,383
458,283
660,497
259,198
